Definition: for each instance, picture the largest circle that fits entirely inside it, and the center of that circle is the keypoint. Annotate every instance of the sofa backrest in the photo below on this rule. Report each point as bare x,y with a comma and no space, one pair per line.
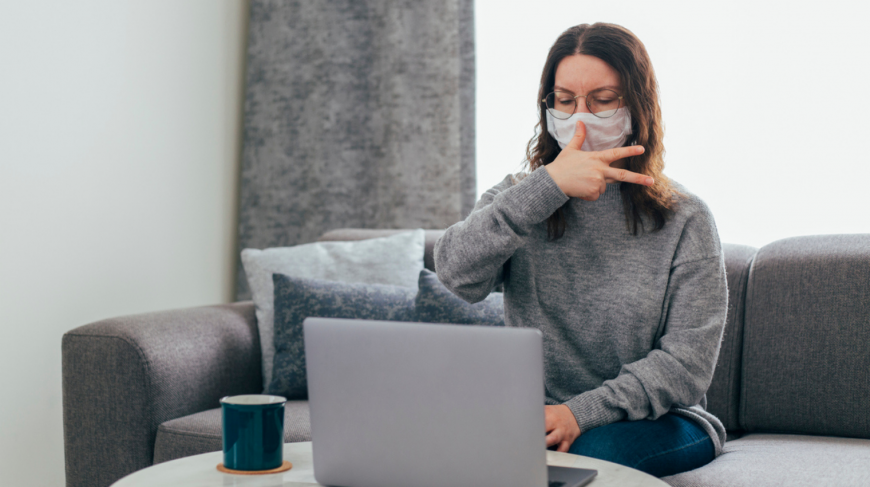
806,345
724,394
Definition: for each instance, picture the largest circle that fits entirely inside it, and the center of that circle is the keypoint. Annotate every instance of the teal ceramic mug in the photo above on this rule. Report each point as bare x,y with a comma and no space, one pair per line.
253,431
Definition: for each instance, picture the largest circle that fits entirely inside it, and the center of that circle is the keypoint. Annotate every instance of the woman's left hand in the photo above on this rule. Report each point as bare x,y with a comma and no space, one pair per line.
561,427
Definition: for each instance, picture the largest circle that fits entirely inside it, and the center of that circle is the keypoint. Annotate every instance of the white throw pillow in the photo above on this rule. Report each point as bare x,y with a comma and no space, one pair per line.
396,260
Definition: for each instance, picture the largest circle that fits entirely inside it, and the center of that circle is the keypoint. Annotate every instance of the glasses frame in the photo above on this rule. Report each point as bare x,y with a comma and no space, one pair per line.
586,101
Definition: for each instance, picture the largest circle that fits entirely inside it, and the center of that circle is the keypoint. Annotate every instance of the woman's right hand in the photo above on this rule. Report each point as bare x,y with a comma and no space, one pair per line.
585,175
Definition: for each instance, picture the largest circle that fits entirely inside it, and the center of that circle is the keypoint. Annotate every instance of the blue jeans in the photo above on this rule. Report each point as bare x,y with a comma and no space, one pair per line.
669,445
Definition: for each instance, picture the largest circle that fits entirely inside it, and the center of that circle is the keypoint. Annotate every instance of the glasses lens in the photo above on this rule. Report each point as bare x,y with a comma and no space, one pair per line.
603,103
560,105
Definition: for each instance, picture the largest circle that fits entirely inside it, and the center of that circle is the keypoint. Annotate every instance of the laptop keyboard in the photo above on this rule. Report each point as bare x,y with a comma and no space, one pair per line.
553,483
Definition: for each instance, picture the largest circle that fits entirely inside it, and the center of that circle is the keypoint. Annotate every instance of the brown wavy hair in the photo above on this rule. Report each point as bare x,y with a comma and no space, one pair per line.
625,53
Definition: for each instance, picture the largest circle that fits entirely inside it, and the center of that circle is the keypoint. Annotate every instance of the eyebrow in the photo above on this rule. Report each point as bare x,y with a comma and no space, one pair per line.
562,88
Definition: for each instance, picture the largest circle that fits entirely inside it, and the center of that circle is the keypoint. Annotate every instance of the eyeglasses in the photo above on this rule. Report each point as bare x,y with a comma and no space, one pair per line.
602,103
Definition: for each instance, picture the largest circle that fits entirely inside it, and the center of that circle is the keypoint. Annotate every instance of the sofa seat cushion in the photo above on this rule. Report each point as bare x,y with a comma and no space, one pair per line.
201,432
759,460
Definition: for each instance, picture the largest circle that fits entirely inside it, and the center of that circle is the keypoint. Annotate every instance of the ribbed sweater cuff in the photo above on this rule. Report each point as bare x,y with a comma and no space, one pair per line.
591,410
537,195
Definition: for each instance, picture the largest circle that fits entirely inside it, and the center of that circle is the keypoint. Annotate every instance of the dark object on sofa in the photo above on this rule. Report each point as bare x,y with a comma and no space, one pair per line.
436,304
297,298
792,383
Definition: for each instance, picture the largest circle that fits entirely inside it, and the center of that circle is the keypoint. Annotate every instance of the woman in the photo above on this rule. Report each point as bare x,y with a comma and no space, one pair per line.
631,313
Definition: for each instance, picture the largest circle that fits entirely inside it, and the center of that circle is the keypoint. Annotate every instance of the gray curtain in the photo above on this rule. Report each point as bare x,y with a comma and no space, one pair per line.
357,114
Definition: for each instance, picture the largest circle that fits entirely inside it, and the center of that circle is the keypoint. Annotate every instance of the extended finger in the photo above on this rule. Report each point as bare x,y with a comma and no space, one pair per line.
564,446
576,142
617,153
628,176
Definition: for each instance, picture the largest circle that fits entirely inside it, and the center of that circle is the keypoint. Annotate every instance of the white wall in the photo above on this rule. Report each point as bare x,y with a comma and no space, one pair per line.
741,84
120,126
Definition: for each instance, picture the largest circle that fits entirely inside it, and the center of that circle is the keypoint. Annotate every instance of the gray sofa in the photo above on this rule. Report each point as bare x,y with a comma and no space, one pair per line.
792,383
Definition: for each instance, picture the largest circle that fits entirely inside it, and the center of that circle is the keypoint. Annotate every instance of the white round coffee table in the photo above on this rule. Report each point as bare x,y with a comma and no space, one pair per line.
201,471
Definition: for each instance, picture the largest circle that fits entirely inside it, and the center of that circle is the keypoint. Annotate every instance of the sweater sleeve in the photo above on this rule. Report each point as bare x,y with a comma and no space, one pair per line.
679,369
470,254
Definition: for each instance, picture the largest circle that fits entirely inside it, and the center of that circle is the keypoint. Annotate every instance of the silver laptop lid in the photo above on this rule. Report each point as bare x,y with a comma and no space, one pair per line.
399,404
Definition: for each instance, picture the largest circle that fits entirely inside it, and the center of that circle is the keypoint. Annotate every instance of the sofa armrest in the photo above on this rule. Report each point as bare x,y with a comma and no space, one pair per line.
123,377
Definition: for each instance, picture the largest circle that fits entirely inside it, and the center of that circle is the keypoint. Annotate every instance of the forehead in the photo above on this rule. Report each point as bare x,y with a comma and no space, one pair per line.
581,73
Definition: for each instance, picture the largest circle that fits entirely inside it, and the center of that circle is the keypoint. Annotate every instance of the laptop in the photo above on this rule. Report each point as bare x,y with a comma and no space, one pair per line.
425,405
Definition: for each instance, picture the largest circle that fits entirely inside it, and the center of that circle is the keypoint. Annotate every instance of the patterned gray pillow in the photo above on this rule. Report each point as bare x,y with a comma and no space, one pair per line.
436,304
297,298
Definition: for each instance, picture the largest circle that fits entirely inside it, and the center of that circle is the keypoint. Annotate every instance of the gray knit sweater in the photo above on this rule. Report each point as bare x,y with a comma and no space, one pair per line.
631,324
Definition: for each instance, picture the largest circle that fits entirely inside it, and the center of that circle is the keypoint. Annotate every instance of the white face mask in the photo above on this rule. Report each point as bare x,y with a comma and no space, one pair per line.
601,133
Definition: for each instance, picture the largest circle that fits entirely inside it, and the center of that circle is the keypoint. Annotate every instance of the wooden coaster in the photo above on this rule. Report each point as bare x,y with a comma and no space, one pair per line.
283,468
